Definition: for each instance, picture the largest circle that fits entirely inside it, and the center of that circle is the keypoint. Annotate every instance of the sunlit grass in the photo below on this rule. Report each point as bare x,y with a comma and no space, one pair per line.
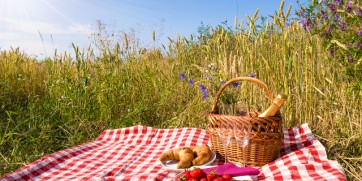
53,104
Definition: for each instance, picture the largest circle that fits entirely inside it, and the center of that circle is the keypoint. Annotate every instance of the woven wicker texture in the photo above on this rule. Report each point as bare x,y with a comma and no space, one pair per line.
260,138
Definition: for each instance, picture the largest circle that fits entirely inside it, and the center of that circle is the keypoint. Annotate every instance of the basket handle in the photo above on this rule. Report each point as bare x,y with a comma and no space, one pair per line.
249,79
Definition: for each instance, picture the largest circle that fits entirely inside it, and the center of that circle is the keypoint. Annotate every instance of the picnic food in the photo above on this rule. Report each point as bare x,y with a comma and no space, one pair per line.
227,177
211,175
184,155
188,156
199,174
186,174
274,108
261,137
202,154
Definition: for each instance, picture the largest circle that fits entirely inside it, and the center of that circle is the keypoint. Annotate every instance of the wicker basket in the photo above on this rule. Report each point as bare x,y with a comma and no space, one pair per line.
264,134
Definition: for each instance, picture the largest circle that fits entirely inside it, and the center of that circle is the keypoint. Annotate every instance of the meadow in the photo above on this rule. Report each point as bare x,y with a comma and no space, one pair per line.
58,102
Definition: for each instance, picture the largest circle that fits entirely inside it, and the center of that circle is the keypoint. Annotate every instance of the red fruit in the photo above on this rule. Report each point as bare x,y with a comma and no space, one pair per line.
218,179
187,175
227,177
204,179
192,179
182,178
211,175
197,173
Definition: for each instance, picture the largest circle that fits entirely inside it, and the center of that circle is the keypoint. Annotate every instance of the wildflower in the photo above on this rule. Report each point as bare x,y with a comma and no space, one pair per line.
359,33
236,84
357,45
325,17
222,82
330,53
191,82
350,58
302,11
349,6
342,25
305,23
336,17
252,74
182,76
358,11
332,8
204,91
337,1
329,30
208,78
348,46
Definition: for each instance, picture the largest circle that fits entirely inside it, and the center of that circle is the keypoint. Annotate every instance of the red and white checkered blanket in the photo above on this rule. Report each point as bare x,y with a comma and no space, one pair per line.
132,154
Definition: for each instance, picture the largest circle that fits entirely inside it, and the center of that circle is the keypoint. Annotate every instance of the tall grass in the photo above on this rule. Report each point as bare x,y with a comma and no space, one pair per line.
59,102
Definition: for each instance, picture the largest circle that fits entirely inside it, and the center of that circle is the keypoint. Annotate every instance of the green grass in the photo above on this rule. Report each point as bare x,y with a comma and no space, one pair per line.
59,102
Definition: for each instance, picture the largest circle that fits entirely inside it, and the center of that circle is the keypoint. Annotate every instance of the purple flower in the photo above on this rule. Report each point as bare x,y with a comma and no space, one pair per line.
301,12
252,74
222,82
208,78
359,33
336,17
305,23
329,30
358,11
204,91
236,84
337,1
325,17
349,6
350,58
348,46
191,82
342,25
330,53
332,8
357,45
182,76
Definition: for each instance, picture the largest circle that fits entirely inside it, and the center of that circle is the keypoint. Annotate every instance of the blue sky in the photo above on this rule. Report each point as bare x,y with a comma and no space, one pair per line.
40,26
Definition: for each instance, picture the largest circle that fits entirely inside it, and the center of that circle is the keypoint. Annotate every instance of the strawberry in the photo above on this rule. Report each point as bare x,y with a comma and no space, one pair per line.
186,174
192,179
182,178
218,179
204,179
211,175
197,173
227,177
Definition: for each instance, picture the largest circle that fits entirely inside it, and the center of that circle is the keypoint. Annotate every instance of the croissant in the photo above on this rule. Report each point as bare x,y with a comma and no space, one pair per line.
184,155
201,153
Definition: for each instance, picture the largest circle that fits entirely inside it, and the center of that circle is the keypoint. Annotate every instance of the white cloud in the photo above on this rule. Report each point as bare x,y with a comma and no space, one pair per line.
84,29
25,35
29,26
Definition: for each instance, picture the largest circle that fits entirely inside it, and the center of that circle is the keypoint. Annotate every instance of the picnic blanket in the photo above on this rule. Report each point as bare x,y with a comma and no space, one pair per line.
132,154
